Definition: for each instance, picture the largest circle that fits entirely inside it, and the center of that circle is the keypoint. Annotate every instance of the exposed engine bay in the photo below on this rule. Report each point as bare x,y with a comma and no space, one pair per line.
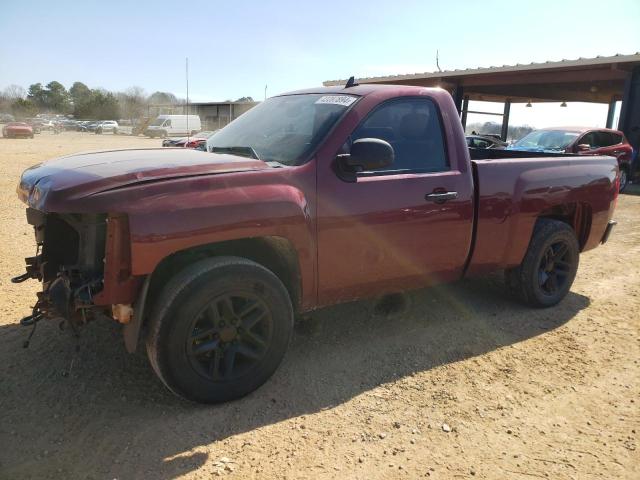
69,262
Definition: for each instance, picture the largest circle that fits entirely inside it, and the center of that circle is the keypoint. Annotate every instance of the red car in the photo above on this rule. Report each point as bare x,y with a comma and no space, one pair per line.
307,200
17,129
582,140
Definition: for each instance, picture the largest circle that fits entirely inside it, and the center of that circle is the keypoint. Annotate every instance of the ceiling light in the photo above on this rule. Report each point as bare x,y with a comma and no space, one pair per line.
528,104
563,104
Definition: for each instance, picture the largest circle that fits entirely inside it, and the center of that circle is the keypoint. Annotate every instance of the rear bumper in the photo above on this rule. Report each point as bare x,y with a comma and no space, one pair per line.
607,232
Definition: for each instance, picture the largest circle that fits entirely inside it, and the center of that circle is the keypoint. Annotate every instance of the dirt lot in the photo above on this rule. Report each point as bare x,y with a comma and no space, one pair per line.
525,393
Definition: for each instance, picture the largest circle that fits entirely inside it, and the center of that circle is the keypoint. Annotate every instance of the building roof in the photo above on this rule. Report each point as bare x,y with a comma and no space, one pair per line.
598,79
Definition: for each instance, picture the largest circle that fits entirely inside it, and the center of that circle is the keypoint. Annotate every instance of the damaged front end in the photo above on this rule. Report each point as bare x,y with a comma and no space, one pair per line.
83,262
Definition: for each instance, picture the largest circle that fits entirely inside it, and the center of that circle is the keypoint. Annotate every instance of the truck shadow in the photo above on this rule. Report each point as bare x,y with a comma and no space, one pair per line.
102,413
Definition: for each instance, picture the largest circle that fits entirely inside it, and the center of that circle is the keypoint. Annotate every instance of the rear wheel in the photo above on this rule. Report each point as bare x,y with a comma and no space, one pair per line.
220,329
549,267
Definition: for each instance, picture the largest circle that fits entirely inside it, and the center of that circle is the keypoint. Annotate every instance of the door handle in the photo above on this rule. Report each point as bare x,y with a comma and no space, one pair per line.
440,197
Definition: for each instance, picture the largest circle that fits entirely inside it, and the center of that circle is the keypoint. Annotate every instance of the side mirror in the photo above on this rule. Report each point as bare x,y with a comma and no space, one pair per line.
584,147
367,154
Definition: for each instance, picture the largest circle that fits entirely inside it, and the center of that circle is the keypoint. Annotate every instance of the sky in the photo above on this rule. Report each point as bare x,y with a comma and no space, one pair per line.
237,48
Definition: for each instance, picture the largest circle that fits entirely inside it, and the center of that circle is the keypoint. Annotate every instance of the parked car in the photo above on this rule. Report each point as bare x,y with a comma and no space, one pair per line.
583,141
189,142
107,126
89,126
46,124
168,125
17,129
485,141
69,124
36,124
310,199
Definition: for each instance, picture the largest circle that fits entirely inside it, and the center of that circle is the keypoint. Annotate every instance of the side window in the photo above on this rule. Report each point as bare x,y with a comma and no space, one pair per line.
616,138
481,143
603,139
167,123
588,139
412,127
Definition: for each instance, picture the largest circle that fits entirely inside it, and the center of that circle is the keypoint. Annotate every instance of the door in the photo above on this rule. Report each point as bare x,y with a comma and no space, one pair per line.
401,227
604,143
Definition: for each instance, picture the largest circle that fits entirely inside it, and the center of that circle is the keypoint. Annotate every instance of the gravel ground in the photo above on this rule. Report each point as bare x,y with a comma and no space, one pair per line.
464,383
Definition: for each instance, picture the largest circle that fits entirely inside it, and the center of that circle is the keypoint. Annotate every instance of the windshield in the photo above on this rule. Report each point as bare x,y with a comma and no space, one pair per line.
282,129
547,140
157,122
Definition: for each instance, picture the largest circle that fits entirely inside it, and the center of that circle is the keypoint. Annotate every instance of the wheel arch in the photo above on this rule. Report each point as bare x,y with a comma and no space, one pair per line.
272,252
577,215
275,253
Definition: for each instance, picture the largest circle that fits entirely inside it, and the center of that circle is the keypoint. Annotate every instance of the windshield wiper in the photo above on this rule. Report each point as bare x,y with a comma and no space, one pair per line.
241,151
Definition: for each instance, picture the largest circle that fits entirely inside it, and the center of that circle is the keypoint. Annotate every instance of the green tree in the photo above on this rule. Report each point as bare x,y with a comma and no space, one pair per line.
37,95
106,105
23,108
57,97
81,98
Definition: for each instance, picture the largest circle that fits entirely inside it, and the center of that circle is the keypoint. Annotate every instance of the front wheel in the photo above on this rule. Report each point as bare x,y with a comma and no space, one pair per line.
549,267
219,330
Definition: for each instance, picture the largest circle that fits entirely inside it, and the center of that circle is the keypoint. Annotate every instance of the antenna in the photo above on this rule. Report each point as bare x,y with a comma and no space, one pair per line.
187,75
438,61
351,82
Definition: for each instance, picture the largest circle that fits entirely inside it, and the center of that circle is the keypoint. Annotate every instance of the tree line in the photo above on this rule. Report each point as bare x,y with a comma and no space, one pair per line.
514,132
80,101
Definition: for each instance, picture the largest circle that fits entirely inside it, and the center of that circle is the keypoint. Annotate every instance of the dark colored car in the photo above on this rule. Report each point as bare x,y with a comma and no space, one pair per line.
485,141
311,199
17,129
583,141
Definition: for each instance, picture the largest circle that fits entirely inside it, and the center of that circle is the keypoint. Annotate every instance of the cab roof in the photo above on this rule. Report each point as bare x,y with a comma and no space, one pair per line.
360,90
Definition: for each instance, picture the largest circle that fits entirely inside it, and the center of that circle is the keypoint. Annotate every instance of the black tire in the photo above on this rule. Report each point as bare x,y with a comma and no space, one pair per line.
624,179
549,267
200,329
98,131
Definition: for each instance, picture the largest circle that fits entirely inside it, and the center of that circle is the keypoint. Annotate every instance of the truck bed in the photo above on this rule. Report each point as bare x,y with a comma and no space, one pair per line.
498,154
511,194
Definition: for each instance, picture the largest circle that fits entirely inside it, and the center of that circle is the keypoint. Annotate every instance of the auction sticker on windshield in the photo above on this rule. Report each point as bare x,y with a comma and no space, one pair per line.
344,100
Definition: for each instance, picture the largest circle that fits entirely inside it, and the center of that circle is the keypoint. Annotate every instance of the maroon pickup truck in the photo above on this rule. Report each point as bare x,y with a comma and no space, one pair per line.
310,199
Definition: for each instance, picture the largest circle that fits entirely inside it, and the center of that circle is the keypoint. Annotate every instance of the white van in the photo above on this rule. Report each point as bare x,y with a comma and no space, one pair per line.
172,125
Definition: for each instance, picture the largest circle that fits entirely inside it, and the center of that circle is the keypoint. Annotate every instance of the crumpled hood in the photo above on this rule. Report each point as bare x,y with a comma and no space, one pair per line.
86,174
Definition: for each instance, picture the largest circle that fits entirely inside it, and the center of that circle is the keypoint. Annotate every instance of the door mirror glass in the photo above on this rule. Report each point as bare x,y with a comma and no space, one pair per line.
368,154
583,147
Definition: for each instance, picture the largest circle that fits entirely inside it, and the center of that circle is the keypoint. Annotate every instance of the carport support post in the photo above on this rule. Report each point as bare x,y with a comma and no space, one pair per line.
610,112
465,109
458,94
505,120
